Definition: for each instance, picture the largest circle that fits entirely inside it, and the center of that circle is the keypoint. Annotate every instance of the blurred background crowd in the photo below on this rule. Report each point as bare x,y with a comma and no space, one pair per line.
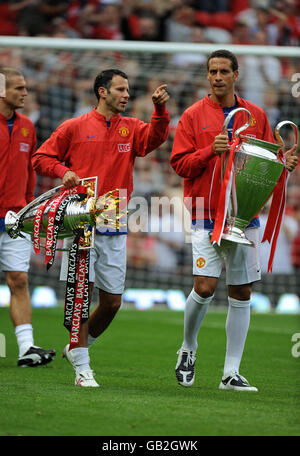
229,21
60,86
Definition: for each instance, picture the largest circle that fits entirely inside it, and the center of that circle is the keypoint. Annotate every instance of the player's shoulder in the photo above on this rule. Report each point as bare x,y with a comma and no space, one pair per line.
74,122
25,120
251,107
196,106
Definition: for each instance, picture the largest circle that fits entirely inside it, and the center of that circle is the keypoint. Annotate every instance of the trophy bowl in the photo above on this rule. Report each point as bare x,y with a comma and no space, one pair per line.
256,171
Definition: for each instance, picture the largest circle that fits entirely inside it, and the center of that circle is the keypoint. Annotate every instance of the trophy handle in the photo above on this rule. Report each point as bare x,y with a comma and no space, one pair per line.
237,132
229,117
279,138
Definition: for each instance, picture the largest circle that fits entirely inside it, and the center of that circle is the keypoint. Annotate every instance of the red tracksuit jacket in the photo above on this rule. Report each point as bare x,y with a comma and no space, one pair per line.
86,146
17,177
192,155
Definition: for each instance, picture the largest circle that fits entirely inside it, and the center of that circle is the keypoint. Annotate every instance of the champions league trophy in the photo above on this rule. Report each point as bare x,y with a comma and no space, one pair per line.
73,213
254,174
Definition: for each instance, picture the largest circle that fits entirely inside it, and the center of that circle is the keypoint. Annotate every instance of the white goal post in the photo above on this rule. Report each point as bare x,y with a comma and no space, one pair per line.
144,46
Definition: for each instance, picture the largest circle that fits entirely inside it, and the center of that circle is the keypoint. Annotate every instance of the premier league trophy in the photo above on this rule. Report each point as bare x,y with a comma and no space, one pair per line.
71,214
250,171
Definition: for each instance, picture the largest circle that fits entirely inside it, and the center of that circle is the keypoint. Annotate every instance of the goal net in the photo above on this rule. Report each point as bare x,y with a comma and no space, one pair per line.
60,75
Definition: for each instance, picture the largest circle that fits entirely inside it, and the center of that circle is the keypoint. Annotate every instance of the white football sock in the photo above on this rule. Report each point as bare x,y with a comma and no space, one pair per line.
237,324
91,340
195,311
81,359
24,335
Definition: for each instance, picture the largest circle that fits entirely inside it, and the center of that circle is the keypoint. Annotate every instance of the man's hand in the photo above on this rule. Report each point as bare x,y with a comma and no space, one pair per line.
220,144
291,159
160,96
70,179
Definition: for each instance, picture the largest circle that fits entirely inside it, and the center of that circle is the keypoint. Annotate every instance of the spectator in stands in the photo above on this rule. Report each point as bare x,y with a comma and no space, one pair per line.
179,25
241,33
142,106
259,73
185,59
295,248
286,14
166,226
102,21
263,22
282,258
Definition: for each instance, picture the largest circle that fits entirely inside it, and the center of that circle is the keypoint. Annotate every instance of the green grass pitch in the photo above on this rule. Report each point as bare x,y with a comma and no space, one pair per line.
134,363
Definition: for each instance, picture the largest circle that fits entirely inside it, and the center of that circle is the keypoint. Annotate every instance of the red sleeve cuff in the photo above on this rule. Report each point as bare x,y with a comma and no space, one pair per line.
159,109
60,170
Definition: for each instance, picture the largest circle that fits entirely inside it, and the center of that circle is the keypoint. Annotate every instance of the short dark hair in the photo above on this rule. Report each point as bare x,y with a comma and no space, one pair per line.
104,78
223,53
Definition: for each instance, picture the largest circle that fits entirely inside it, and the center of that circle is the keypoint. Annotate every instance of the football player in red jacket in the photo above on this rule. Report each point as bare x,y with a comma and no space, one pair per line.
198,143
17,182
105,144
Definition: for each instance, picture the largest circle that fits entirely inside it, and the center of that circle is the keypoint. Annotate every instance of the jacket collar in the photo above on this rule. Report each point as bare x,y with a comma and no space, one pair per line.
101,117
3,118
215,105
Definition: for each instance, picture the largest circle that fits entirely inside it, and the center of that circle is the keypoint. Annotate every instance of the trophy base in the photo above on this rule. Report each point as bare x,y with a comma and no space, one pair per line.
234,234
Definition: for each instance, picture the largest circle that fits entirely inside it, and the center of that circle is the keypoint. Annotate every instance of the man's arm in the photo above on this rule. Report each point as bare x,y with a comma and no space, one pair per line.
150,136
49,158
187,160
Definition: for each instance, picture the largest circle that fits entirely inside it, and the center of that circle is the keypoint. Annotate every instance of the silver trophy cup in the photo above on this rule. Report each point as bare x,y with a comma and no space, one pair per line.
256,170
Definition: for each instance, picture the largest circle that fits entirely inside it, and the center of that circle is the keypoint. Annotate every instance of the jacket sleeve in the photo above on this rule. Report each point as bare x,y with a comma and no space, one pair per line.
187,160
149,136
49,158
31,182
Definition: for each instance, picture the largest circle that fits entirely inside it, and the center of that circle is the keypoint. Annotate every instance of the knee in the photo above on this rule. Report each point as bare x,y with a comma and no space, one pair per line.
204,291
17,281
205,286
110,301
240,292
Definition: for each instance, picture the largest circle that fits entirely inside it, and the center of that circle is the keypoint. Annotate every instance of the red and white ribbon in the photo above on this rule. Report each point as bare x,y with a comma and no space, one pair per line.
38,219
51,218
224,198
276,214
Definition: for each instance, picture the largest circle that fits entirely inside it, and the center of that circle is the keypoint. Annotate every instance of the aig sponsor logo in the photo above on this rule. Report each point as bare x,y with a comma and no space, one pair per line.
24,147
124,147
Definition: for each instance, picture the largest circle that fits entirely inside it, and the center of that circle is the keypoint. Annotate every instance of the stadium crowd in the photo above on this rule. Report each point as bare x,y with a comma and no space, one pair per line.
235,21
59,87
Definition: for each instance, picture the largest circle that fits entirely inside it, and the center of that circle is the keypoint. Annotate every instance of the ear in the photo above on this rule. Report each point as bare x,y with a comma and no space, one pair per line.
102,92
236,74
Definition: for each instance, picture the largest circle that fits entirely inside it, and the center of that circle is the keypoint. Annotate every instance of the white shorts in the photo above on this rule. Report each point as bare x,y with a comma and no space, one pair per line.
14,253
107,262
241,261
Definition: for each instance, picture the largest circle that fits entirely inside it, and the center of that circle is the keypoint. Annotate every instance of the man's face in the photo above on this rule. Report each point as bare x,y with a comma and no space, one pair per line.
116,98
15,92
221,76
